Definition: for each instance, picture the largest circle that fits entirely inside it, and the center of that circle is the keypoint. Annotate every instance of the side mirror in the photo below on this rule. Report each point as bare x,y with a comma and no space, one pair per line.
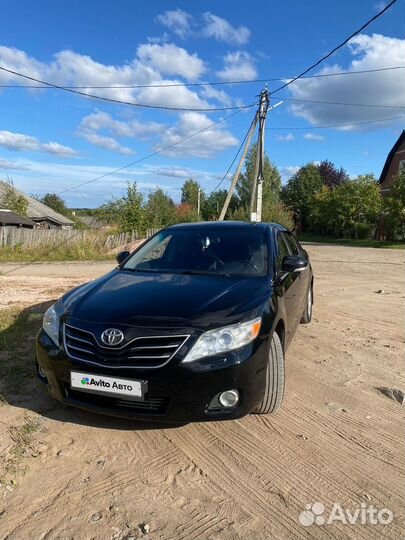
122,255
294,263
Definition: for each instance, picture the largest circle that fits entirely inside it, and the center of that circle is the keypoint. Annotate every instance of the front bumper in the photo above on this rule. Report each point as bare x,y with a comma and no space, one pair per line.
175,393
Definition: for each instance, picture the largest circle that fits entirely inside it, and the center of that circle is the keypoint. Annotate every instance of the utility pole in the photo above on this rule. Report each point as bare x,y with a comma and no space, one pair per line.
198,201
239,168
257,188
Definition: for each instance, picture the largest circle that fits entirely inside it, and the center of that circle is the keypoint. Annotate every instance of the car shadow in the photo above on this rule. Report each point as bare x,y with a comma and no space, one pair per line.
18,382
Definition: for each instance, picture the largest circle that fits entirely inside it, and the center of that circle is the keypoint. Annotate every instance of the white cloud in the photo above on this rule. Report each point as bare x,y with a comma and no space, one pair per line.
99,120
288,171
176,20
19,142
8,164
109,143
71,69
378,6
238,65
171,60
41,177
288,137
203,145
313,137
210,92
221,30
383,88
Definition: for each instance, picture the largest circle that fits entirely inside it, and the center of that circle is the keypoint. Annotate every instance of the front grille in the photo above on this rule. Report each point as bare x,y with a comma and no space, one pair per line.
150,405
140,352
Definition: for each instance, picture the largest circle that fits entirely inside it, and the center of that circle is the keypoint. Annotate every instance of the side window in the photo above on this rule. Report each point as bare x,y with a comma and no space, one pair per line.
292,242
282,247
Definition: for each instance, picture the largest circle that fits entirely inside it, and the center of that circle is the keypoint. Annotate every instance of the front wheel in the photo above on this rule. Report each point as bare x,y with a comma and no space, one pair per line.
275,376
307,315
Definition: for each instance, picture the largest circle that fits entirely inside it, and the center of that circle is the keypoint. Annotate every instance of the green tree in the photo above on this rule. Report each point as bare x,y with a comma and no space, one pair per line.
12,200
350,209
189,193
214,202
332,176
277,212
394,209
185,213
271,180
160,210
299,191
126,212
55,202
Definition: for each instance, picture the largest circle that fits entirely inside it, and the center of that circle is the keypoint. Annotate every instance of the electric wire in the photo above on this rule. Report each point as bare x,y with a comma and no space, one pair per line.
122,102
191,84
309,128
165,148
234,159
342,44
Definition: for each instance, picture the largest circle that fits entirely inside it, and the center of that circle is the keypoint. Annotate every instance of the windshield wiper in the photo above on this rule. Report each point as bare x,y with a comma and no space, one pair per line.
202,273
141,270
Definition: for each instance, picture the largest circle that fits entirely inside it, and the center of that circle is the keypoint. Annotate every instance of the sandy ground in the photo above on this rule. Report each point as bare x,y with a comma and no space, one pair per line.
337,438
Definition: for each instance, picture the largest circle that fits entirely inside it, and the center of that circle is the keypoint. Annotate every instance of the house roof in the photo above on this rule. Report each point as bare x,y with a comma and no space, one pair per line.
391,154
37,210
7,217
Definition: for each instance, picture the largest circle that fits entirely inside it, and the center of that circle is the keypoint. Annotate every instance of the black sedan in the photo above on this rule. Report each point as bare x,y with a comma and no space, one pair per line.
193,325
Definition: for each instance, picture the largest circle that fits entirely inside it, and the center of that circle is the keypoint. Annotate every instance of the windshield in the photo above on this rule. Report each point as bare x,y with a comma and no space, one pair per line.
231,252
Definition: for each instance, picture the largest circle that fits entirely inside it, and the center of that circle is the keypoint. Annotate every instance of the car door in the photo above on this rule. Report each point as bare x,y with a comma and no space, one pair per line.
290,284
303,277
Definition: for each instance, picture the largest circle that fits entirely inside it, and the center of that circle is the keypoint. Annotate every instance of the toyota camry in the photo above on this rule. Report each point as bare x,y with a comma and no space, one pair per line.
193,325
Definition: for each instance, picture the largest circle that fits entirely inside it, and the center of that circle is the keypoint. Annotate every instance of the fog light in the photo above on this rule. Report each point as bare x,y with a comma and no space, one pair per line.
229,398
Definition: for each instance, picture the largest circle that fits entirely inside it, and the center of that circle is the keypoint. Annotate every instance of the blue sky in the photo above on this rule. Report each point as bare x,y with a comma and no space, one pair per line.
51,140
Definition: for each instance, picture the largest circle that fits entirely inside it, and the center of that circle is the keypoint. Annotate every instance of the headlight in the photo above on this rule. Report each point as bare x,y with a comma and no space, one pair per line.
51,324
224,339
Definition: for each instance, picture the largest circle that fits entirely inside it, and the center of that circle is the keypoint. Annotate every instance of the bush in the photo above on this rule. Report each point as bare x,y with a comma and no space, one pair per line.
363,231
278,213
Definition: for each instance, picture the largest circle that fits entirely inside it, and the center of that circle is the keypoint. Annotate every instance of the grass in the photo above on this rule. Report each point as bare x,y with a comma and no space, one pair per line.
81,251
308,237
18,329
22,446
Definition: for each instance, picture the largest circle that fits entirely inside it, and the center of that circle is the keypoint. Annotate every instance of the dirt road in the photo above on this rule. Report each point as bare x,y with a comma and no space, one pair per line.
337,439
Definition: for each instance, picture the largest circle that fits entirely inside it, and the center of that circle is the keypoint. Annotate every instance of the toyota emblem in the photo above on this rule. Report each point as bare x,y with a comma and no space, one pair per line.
112,336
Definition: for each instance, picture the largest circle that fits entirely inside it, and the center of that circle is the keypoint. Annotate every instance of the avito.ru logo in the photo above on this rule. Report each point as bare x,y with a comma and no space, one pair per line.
85,380
315,514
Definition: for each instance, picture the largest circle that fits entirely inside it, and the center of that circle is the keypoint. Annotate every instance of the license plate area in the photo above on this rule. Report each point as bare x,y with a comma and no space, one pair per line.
106,385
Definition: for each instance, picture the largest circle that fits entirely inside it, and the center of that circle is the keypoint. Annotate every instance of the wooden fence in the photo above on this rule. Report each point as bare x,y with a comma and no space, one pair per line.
33,238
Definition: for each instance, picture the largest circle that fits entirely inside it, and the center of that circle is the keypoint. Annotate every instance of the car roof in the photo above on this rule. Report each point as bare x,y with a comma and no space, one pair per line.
227,225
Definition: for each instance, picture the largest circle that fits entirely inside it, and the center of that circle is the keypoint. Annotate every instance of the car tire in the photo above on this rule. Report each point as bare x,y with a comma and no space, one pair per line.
307,315
275,377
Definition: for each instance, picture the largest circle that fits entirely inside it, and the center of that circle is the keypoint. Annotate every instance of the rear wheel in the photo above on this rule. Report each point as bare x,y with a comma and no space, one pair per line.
275,376
307,315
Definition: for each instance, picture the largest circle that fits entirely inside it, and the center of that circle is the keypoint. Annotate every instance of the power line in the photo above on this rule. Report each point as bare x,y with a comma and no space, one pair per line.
121,102
342,103
342,44
152,154
191,84
234,159
338,125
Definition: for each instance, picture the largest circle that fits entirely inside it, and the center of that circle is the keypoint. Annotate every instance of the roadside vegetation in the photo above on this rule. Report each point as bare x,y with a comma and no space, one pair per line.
320,202
80,251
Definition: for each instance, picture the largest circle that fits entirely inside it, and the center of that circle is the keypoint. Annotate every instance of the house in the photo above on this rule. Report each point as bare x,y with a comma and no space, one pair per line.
393,164
41,214
11,219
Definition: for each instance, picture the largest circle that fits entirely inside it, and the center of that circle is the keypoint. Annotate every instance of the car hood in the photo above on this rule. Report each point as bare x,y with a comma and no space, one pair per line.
164,299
